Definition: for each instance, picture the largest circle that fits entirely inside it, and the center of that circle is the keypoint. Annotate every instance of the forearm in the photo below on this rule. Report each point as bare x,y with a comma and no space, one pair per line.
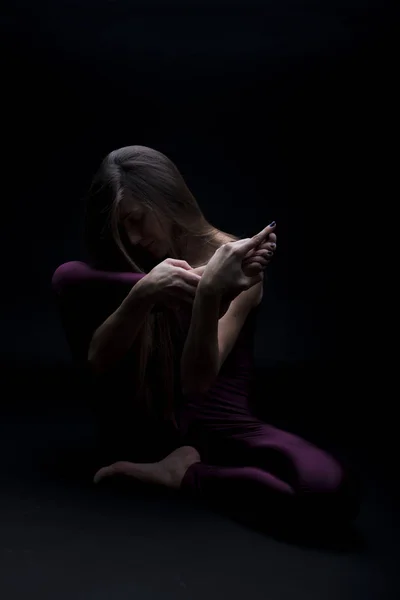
200,357
112,340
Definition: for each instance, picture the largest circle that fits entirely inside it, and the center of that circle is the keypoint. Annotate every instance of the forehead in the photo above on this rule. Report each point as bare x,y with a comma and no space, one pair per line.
129,207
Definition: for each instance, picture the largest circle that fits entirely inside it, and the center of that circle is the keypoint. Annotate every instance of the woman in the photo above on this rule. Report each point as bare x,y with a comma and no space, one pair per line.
192,314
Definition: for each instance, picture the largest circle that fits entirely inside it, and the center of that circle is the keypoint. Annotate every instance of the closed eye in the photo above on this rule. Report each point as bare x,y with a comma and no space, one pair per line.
133,218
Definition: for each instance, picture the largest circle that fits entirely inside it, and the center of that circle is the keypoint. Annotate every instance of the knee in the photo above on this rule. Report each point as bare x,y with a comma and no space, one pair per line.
324,475
332,488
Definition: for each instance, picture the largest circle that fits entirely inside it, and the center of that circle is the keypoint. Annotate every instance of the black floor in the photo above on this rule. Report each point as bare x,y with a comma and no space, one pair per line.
63,538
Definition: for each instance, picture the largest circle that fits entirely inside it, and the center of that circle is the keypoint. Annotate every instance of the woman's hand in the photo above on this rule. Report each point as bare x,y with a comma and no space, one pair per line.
173,280
224,272
258,259
255,260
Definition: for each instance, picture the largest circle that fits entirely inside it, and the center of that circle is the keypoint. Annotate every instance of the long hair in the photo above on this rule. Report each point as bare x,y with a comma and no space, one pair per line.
154,182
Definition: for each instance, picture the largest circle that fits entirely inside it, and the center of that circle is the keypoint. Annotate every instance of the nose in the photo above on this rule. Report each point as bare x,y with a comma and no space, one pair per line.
137,240
134,239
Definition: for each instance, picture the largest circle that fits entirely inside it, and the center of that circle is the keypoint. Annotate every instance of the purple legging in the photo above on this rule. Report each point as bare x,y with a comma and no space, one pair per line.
253,466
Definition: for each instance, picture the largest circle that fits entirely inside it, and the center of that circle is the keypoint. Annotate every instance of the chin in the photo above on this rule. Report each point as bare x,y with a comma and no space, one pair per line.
159,250
154,251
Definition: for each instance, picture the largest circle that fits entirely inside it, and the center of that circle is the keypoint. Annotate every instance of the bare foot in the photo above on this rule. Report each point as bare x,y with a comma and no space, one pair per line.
259,258
169,471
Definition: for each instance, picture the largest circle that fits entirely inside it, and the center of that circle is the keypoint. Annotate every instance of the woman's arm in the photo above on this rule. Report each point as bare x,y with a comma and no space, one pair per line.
200,356
218,317
112,340
210,339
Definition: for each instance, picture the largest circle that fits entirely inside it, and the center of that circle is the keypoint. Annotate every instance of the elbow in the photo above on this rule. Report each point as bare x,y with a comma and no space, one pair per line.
92,357
97,359
95,364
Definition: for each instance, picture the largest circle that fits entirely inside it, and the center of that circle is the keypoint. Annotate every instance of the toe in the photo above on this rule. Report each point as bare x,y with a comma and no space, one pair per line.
104,472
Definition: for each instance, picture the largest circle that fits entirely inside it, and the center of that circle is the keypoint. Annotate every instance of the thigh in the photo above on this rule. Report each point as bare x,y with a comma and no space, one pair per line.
294,460
232,483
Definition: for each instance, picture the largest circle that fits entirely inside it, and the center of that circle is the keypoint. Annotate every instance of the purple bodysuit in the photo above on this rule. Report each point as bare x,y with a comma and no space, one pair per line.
245,463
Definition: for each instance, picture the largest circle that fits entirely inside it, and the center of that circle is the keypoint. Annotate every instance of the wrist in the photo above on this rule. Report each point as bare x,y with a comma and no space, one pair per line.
146,290
207,287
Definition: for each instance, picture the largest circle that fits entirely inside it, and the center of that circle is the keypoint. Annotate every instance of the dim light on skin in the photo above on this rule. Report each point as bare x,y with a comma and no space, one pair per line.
143,228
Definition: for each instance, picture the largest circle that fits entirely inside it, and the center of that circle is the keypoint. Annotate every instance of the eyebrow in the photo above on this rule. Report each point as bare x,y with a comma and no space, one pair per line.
134,212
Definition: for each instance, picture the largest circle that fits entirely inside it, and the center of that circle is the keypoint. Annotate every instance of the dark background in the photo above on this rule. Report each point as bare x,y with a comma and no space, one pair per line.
272,111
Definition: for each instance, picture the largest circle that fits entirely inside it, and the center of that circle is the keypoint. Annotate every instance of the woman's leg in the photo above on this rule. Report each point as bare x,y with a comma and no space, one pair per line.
302,478
324,485
255,465
229,457
234,488
168,471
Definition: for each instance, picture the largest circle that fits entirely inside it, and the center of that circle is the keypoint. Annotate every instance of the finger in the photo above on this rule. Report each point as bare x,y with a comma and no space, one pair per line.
254,267
253,270
257,260
243,246
255,251
263,261
190,277
264,235
199,270
179,263
269,243
250,253
264,252
265,246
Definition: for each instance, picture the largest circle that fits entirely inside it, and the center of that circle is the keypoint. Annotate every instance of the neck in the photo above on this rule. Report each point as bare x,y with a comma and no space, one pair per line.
199,253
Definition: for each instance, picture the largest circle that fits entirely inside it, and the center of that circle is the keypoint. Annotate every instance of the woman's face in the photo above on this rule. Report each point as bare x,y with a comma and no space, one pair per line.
143,228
